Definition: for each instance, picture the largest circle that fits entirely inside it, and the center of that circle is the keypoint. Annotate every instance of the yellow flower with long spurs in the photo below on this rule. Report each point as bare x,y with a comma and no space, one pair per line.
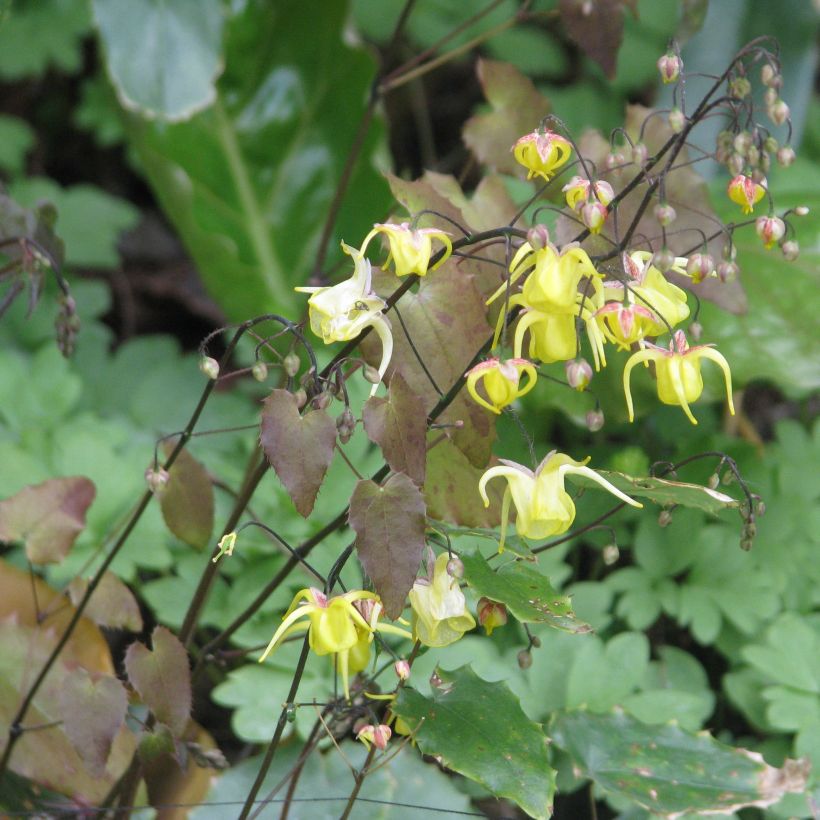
341,312
410,248
335,627
501,381
440,615
678,373
543,507
542,152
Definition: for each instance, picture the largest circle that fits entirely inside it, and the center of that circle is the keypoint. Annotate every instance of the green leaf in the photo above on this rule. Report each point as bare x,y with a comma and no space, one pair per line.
670,771
524,591
479,730
162,55
299,448
664,492
389,522
16,138
187,501
47,517
162,677
248,182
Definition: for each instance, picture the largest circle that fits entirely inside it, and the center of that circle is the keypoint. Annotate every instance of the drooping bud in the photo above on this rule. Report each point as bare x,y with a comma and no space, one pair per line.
259,371
455,568
346,425
593,215
753,156
209,367
524,659
291,364
700,266
594,420
768,73
670,66
301,397
785,156
714,481
371,374
402,669
770,97
742,142
727,271
735,164
579,374
156,479
663,259
791,250
801,210
779,112
322,401
677,119
739,87
614,159
696,331
491,614
640,154
770,229
770,144
538,236
665,214
610,554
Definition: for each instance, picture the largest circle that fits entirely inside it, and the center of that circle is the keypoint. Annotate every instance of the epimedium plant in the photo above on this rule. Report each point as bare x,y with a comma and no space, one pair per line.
475,294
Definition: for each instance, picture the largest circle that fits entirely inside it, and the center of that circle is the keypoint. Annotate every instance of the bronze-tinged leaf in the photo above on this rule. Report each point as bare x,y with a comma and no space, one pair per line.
597,27
112,604
187,502
517,108
162,677
47,517
398,424
299,448
93,710
389,522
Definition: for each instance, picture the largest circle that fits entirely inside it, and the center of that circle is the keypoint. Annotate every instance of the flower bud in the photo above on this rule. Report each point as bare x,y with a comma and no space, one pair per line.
765,163
696,331
760,510
594,420
535,641
670,66
377,735
739,87
665,214
156,479
291,364
209,367
785,156
455,568
753,155
610,554
371,374
345,425
593,215
640,154
524,659
665,518
491,614
259,371
663,259
729,251
770,97
301,397
801,210
700,266
725,139
714,481
322,401
770,229
579,374
770,144
742,142
791,250
736,164
402,669
779,112
538,236
677,120
727,271
614,159
768,73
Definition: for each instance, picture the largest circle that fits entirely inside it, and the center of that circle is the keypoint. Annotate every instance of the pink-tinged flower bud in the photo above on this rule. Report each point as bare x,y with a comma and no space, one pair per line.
739,87
209,367
156,479
301,397
640,154
402,669
593,215
455,567
259,371
770,229
785,156
603,191
524,659
779,112
801,210
594,420
291,364
491,614
677,120
696,331
346,425
791,250
371,374
735,164
753,156
727,271
538,236
670,66
665,214
663,259
381,735
322,401
768,74
579,374
700,266
770,97
742,142
610,554
614,159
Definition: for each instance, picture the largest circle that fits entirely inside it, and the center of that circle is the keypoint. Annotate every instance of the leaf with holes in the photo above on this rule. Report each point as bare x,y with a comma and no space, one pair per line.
670,771
93,711
47,517
527,593
598,28
162,677
398,424
478,729
187,502
299,448
389,522
111,604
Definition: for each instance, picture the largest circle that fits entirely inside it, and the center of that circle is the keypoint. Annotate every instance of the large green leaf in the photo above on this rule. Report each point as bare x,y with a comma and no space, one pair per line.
667,770
248,181
479,730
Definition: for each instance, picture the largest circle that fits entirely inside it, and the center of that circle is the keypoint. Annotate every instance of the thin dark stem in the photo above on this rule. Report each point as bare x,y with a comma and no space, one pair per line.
357,785
419,357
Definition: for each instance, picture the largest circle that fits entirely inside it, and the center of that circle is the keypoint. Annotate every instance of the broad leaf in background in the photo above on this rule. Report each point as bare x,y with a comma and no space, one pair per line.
669,771
527,593
47,517
300,448
248,181
389,524
162,677
112,604
16,138
163,55
187,501
597,28
479,730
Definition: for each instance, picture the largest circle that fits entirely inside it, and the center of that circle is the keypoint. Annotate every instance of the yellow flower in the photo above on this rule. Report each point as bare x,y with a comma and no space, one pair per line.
542,153
440,615
577,192
543,506
410,249
745,192
335,627
678,373
341,312
501,382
